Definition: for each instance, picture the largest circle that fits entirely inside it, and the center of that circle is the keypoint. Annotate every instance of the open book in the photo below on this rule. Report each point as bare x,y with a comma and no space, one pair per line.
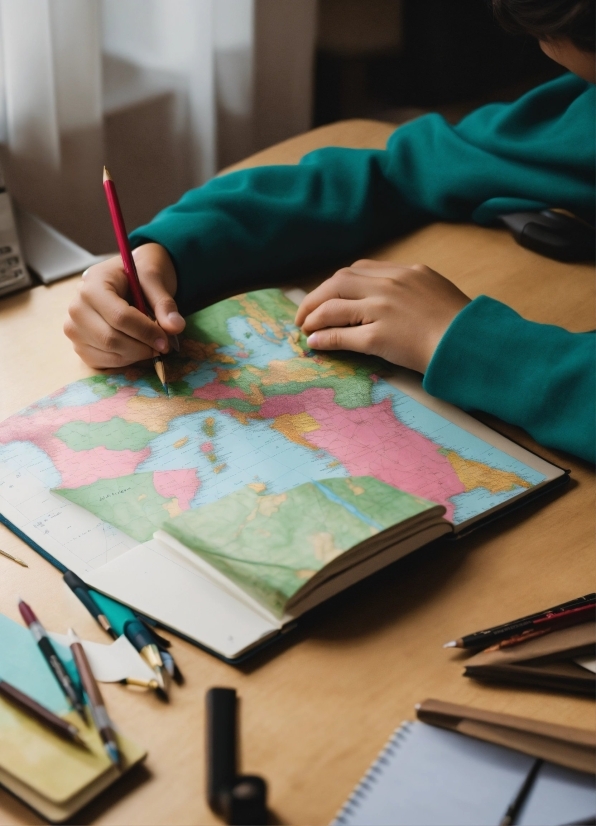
272,477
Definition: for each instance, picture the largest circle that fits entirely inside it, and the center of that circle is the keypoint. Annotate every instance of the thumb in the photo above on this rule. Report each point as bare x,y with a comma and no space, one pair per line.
163,305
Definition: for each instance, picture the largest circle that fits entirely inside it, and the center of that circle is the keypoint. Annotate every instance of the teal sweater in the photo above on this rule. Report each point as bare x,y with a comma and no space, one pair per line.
270,223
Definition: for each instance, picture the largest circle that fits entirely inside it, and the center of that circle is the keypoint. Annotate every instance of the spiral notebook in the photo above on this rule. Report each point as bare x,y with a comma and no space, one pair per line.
427,776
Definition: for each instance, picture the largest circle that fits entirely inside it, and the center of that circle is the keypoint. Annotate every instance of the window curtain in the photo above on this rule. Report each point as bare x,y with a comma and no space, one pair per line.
164,92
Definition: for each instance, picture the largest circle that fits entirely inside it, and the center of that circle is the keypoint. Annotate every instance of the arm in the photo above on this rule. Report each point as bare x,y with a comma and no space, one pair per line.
271,222
537,376
478,355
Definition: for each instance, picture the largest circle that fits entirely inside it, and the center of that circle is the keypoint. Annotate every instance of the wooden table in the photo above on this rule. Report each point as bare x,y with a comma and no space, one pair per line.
317,709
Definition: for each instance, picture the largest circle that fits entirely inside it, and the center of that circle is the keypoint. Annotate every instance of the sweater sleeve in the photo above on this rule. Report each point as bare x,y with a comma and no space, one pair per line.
270,223
538,376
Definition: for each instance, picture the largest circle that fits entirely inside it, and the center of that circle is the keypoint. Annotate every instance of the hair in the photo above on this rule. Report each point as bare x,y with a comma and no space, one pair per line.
550,20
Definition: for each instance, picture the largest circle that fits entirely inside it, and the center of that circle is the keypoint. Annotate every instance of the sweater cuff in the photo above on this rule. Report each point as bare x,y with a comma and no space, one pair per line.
469,356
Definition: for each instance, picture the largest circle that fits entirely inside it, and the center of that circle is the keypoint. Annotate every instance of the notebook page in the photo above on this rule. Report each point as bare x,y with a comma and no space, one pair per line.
428,776
559,795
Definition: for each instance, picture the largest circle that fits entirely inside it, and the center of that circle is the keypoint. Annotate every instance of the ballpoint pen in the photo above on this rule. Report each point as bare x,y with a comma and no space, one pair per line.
51,657
96,702
79,588
142,640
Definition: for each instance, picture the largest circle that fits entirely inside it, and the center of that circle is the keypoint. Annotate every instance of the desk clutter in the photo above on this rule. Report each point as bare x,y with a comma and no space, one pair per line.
265,450
454,766
58,747
553,649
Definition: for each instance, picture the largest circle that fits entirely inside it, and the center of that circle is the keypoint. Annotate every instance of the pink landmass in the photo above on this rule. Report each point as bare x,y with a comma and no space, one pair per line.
370,441
76,467
242,355
182,484
217,390
207,447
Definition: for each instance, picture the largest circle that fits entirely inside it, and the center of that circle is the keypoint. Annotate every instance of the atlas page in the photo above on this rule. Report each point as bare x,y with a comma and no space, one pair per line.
89,474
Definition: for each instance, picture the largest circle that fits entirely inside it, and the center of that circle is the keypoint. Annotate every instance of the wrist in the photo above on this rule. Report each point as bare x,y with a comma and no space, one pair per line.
438,330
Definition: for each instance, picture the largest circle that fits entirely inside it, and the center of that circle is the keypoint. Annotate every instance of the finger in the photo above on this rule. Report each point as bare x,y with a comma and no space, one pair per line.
337,312
344,284
89,328
122,317
99,359
371,264
358,339
163,305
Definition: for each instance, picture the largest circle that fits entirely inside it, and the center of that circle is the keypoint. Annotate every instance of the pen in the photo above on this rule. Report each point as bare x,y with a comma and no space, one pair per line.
43,715
516,805
129,264
78,587
96,703
51,657
142,640
482,639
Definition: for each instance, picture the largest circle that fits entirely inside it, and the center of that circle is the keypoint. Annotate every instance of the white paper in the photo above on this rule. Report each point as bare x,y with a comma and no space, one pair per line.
587,662
112,662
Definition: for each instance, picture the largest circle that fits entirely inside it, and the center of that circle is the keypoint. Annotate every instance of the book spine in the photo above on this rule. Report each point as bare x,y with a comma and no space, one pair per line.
371,777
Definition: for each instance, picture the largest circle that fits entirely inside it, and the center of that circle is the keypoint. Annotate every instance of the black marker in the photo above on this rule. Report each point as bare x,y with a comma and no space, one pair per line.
239,799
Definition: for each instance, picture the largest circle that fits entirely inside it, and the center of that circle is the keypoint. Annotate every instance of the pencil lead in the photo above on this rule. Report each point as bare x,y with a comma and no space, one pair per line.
452,644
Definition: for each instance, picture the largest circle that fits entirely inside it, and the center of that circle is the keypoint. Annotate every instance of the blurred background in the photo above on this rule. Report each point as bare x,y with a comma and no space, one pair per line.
168,92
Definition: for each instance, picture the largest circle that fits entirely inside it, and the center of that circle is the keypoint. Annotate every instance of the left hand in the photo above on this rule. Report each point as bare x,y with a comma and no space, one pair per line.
382,309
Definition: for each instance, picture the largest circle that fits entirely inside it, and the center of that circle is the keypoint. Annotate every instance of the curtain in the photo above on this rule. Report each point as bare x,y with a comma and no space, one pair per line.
164,92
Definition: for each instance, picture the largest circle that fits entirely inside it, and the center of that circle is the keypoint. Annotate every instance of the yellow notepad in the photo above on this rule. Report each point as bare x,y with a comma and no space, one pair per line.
50,774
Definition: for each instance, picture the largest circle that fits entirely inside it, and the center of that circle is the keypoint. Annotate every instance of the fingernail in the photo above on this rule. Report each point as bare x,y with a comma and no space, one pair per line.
175,318
312,340
161,345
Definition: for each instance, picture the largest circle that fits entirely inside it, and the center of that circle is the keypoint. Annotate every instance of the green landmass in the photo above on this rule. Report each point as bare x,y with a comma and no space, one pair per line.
271,545
115,434
329,370
130,503
383,503
100,386
211,324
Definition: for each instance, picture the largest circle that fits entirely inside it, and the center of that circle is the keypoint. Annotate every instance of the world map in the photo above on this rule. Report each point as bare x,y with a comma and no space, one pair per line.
253,409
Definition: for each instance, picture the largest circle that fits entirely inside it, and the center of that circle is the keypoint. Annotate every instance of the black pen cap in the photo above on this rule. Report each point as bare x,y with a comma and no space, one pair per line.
73,581
220,727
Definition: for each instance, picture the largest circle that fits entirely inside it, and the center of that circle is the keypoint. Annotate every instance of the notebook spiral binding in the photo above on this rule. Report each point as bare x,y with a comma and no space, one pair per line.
372,776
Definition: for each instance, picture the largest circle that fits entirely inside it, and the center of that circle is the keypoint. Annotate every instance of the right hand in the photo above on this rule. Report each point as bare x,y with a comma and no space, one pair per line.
106,330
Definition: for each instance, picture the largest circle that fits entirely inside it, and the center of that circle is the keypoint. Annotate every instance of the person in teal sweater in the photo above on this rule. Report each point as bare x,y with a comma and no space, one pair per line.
271,223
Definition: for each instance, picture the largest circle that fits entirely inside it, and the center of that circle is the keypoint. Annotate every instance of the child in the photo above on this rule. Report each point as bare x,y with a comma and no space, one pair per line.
272,222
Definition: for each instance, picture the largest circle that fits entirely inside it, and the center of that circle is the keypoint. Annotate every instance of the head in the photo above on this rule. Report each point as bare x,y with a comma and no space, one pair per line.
565,29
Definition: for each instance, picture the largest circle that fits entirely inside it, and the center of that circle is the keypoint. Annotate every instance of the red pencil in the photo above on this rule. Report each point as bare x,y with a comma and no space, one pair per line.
570,617
128,263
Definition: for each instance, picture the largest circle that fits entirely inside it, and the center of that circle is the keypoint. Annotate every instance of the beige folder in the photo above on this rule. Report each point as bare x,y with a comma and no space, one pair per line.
571,747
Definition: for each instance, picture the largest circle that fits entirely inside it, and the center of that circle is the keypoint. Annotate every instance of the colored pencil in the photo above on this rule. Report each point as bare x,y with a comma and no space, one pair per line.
40,713
490,636
128,263
97,705
51,657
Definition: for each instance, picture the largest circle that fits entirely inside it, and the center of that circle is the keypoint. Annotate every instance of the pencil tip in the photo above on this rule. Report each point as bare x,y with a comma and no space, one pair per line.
106,175
452,644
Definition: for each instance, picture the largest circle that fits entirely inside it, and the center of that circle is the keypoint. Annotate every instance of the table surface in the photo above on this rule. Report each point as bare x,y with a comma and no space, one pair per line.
317,708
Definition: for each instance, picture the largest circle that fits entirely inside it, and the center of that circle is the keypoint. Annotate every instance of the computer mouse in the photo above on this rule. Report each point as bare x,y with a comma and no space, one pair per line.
553,234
